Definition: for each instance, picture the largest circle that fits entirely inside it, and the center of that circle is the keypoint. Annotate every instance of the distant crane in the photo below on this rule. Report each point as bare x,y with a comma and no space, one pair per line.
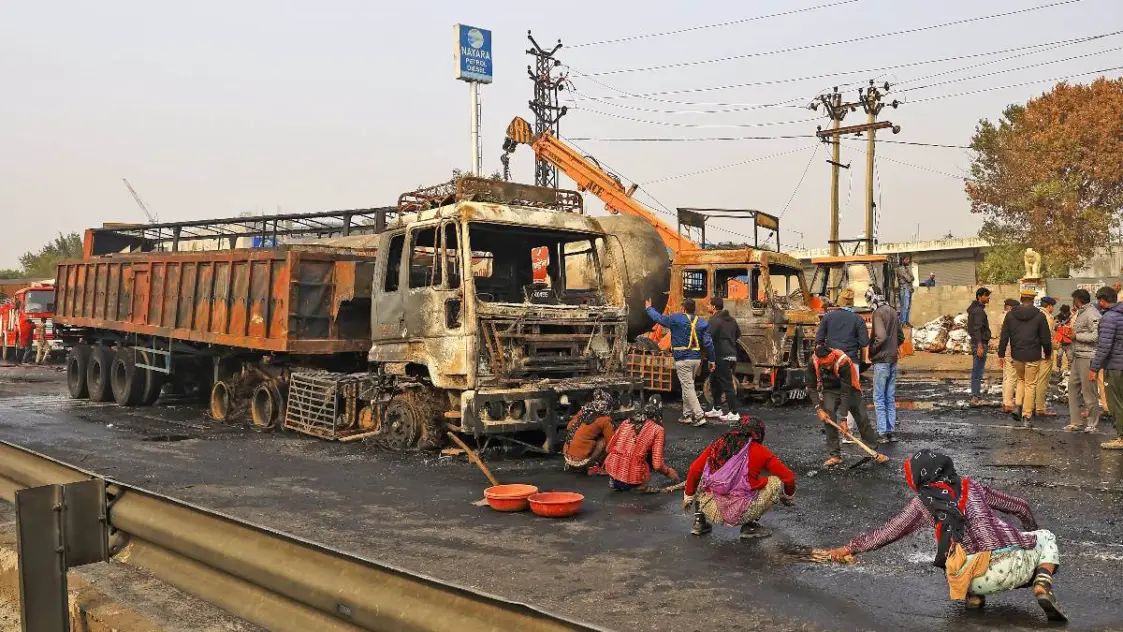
152,219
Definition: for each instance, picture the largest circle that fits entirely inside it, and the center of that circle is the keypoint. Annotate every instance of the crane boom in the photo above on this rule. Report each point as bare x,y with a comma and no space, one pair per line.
140,202
590,177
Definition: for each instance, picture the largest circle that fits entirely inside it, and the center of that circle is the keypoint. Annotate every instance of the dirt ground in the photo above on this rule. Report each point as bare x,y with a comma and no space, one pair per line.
628,561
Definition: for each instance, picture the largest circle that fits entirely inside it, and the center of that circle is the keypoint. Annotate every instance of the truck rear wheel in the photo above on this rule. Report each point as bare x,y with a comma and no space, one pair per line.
153,381
125,380
77,362
97,373
266,407
222,397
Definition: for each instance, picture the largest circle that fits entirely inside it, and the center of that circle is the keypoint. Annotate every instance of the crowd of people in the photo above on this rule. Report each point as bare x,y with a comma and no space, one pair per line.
1086,340
736,479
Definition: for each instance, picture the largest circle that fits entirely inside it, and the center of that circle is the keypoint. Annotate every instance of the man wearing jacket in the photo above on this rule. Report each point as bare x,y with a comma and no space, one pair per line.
725,333
1109,357
978,328
904,282
885,342
1085,333
843,329
1026,333
1012,387
689,336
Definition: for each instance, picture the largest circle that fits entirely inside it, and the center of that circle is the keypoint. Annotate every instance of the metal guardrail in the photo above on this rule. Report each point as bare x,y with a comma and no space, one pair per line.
269,578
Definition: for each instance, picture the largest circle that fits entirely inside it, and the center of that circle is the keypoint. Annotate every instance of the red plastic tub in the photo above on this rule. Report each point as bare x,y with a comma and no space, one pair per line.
556,504
509,497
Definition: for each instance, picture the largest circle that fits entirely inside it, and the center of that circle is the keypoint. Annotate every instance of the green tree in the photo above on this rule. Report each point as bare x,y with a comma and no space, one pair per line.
1049,175
41,264
8,273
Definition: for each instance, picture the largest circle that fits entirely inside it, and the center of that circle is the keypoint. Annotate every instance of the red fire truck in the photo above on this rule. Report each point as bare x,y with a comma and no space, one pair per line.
36,302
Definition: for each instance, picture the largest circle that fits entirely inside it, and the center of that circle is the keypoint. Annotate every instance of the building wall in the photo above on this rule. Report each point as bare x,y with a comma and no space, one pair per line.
931,303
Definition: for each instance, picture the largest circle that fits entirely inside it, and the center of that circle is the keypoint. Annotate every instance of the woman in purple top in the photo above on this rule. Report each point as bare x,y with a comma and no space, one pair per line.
998,557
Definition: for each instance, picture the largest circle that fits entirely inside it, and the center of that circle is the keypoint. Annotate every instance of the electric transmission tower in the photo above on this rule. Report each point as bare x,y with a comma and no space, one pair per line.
545,106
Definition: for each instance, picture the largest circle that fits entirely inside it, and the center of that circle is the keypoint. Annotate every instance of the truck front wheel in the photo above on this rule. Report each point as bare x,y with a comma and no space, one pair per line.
403,421
77,362
97,374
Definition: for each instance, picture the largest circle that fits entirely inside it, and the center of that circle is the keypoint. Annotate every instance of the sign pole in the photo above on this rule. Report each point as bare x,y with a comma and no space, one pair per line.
474,98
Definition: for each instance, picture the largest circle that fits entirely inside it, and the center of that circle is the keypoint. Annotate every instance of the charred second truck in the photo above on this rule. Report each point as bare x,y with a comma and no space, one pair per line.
482,307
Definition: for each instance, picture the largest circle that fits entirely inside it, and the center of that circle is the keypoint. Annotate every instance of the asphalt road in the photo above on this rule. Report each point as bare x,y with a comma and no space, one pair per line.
628,561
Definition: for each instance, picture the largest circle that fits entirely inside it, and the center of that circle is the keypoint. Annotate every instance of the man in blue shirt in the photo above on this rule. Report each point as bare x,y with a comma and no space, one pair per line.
689,336
843,329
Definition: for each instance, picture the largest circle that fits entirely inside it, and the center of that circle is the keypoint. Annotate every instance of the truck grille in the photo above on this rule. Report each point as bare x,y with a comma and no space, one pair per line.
517,349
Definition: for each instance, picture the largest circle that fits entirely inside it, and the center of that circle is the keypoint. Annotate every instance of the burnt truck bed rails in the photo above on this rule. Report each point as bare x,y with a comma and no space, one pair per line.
291,299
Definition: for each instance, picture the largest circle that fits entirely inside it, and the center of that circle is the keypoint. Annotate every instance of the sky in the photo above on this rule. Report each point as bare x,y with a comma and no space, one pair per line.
212,109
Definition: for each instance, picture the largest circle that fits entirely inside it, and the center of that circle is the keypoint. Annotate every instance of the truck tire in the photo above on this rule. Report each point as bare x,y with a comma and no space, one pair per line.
267,407
125,379
404,421
153,381
97,373
222,399
77,362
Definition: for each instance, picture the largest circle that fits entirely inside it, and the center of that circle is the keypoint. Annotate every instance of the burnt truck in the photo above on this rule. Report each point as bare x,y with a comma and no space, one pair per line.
482,307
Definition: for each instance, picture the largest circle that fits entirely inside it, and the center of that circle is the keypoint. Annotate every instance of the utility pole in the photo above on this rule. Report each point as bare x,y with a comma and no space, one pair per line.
871,103
545,106
836,109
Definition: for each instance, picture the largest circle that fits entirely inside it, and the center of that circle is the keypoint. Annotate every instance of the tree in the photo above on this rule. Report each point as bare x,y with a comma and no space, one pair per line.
1049,174
41,265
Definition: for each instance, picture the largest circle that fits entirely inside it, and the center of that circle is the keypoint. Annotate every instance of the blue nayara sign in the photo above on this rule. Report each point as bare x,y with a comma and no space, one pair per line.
473,53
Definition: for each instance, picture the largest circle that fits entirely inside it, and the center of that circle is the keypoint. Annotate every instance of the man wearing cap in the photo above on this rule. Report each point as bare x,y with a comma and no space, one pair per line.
978,328
1045,371
1027,334
1012,387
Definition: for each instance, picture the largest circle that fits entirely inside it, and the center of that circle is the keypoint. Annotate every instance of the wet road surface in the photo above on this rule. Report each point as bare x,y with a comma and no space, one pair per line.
628,561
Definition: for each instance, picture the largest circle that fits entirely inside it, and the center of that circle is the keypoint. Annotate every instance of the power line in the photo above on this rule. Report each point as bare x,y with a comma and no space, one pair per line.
700,27
1047,47
909,164
650,96
791,197
732,109
692,125
1011,85
862,38
707,139
1015,69
732,164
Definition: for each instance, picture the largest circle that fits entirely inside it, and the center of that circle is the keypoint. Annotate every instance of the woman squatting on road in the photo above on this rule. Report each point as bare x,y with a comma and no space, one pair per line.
735,480
981,554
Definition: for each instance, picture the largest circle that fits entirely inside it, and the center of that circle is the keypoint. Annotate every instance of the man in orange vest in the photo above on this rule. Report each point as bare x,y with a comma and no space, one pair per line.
840,392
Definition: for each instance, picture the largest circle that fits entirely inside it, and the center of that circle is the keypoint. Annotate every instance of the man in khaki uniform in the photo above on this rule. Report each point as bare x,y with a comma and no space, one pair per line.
1045,371
43,348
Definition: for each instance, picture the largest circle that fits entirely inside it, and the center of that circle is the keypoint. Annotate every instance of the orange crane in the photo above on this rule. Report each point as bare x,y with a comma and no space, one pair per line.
590,177
775,343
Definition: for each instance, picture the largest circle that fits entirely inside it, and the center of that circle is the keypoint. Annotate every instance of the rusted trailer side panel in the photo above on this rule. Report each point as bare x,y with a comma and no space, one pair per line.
295,299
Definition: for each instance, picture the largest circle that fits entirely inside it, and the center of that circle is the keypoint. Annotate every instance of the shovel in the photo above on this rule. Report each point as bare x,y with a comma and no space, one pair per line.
475,458
872,453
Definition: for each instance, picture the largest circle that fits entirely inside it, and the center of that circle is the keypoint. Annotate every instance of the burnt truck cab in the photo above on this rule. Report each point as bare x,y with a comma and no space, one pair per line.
500,296
767,294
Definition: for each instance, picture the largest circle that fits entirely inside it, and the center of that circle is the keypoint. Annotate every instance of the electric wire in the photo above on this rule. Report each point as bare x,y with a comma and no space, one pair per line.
1015,69
729,165
798,184
852,40
650,96
693,125
700,27
1009,85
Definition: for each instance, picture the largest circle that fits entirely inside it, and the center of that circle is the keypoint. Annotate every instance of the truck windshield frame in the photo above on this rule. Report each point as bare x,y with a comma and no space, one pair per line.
39,301
786,289
502,261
